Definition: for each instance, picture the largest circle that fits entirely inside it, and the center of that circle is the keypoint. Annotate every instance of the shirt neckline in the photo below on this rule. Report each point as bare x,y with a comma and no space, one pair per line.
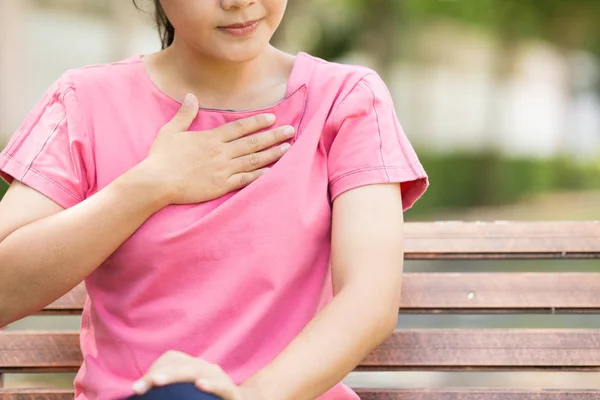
294,83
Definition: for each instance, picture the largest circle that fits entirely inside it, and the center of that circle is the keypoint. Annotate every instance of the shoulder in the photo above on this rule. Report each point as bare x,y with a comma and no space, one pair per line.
344,79
79,90
102,79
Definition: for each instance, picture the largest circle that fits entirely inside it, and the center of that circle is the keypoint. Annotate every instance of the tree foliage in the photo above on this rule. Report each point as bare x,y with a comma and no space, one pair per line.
569,24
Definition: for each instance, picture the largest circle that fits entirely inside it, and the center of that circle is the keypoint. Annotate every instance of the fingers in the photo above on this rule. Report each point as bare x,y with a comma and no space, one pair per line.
173,367
260,141
185,115
261,159
177,367
142,385
241,180
242,127
176,373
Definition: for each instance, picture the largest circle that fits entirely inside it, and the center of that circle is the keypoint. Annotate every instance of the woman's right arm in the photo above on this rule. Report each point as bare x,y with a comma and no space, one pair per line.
45,250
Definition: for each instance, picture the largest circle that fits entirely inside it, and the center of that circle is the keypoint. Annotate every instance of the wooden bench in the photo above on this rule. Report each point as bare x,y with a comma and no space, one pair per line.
454,350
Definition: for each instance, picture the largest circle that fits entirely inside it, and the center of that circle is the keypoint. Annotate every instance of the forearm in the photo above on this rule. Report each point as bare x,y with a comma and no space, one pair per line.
329,347
45,259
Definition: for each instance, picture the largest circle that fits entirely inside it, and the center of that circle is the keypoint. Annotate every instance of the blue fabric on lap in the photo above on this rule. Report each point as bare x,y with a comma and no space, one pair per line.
176,391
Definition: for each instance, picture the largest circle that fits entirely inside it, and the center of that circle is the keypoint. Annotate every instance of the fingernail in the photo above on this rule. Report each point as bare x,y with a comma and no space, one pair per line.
285,147
288,130
140,387
189,100
270,118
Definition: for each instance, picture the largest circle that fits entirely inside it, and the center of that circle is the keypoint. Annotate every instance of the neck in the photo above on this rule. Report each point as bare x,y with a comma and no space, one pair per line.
212,77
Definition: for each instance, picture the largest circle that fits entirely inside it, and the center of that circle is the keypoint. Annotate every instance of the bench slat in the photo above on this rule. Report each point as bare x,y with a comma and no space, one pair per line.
414,349
465,293
36,394
366,394
22,351
448,240
501,293
488,349
465,394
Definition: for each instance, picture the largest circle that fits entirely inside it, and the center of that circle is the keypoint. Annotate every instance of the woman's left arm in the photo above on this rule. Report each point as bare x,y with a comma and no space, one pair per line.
367,257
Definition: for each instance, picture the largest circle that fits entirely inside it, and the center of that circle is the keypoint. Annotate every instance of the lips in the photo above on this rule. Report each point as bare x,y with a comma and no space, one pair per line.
241,29
240,25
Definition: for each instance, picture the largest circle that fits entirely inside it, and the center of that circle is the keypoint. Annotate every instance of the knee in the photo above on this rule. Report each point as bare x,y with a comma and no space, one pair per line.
176,391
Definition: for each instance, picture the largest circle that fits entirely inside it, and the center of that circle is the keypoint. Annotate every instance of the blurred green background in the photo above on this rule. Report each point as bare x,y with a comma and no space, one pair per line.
501,98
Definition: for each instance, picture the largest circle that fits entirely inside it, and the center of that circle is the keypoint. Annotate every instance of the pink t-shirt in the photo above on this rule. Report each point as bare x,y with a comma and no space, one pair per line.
232,280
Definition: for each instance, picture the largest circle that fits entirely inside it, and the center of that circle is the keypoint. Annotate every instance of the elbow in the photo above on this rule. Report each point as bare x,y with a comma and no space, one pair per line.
386,314
7,315
384,323
389,322
5,318
8,311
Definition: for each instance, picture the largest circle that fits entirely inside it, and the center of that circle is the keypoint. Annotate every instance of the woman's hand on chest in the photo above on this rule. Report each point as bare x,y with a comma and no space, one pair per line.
193,167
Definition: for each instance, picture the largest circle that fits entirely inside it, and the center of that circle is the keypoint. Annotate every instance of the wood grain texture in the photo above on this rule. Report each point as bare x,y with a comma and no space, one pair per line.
400,394
418,349
36,394
465,293
457,240
39,351
501,293
488,350
465,394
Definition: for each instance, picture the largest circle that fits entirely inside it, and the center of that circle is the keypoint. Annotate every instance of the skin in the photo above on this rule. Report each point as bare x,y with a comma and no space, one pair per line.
45,251
236,73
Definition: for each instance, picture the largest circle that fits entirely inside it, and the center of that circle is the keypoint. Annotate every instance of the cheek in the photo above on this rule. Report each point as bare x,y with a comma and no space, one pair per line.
189,15
276,10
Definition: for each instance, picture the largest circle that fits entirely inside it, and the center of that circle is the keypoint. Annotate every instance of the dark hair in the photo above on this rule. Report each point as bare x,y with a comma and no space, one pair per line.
166,30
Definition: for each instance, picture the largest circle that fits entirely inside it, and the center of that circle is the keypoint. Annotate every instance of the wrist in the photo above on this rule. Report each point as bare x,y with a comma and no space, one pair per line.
254,390
140,183
251,393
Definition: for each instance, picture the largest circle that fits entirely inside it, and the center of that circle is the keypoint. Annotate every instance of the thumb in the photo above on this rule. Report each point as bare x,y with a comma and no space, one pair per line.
185,115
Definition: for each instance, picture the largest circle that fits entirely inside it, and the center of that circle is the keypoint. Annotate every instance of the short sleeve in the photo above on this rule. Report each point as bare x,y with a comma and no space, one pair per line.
370,146
50,151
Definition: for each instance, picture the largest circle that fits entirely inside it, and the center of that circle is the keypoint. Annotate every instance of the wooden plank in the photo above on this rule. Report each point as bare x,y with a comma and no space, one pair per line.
39,351
465,293
501,293
369,394
473,394
464,240
415,349
488,350
36,394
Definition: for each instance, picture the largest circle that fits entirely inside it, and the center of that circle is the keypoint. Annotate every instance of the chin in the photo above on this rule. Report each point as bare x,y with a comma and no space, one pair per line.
240,53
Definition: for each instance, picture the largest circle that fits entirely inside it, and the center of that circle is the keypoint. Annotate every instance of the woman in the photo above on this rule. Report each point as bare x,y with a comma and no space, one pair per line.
235,212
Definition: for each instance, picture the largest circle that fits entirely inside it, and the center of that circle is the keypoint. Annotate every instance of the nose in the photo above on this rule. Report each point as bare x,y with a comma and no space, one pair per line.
240,4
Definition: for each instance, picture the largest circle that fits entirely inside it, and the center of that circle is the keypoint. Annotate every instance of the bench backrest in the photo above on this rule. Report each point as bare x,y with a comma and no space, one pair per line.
478,292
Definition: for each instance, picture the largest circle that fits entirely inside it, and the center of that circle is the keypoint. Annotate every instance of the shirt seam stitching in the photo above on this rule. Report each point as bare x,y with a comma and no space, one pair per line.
364,169
38,173
406,156
379,132
86,123
62,118
341,102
